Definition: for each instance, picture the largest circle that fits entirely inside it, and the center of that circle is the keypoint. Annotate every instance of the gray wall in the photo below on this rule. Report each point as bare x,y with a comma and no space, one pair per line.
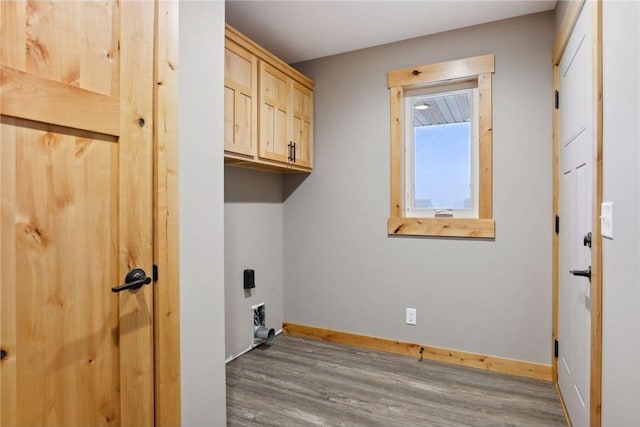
253,238
621,185
201,128
343,271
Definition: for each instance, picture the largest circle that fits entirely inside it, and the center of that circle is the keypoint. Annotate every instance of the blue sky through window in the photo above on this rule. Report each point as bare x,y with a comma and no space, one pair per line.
442,166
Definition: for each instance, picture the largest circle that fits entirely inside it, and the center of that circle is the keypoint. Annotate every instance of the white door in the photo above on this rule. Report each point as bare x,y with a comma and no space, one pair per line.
576,189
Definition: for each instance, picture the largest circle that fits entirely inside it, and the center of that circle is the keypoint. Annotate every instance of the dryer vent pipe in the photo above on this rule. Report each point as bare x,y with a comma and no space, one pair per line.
264,333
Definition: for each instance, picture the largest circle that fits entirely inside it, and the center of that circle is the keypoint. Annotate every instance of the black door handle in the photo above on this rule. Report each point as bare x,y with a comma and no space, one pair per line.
135,279
582,273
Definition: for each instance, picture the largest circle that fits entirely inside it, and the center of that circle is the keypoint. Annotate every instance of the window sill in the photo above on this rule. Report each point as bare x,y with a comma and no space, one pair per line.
442,227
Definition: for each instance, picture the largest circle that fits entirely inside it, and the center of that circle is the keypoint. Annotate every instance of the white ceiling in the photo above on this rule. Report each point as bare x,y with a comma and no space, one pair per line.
307,29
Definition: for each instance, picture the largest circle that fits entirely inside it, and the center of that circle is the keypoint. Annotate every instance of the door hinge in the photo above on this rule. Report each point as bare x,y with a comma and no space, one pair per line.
3,354
555,348
155,273
557,96
557,224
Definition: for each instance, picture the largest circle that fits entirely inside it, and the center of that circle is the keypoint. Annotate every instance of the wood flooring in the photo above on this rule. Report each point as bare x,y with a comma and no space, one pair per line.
300,382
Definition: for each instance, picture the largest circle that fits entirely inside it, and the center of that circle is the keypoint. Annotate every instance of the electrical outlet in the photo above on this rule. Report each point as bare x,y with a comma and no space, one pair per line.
411,316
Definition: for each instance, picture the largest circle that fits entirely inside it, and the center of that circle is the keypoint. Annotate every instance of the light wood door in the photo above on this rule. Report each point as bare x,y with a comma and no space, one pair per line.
576,190
274,114
76,130
240,100
302,113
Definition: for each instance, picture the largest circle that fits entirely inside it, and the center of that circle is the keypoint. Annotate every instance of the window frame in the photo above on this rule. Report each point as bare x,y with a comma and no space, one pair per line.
433,75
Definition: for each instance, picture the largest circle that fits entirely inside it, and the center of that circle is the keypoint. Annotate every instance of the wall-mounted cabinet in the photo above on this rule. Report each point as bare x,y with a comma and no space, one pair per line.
268,109
240,100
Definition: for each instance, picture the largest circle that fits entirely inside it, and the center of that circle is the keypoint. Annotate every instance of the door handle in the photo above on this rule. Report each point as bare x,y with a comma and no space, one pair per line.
135,279
583,273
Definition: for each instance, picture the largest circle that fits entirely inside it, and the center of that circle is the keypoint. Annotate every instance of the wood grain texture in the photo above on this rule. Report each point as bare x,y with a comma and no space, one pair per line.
262,165
595,400
29,96
442,227
476,68
166,226
485,146
271,109
302,122
441,71
397,152
274,122
266,56
136,209
455,357
565,29
58,314
72,219
241,101
8,274
296,381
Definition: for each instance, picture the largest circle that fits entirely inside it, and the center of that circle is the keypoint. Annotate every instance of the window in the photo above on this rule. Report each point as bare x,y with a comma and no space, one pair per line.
441,151
441,138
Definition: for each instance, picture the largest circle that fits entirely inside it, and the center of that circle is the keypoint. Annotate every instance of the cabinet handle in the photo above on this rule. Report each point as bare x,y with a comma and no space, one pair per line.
294,152
290,155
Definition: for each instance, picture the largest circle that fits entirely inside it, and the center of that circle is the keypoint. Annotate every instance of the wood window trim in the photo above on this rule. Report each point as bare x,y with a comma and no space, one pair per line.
398,81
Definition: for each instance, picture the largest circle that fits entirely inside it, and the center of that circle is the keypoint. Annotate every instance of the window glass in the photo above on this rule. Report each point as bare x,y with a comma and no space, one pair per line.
442,142
442,178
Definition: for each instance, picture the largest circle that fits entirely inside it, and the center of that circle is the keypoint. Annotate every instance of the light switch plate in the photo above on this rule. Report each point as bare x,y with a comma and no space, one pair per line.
411,316
606,219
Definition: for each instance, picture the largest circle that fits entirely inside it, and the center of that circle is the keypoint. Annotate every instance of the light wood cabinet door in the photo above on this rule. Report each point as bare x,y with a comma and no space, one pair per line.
240,100
302,116
76,189
268,109
275,125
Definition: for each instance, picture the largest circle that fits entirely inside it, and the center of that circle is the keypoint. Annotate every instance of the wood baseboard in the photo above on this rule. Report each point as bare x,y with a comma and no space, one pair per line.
455,357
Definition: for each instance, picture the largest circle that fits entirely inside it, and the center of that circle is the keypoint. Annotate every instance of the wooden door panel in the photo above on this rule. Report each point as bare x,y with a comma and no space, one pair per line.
274,120
66,337
76,189
29,96
243,123
302,125
238,68
302,138
240,101
69,42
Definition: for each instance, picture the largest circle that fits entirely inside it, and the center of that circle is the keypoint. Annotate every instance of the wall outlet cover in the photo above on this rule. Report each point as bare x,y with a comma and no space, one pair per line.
411,316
